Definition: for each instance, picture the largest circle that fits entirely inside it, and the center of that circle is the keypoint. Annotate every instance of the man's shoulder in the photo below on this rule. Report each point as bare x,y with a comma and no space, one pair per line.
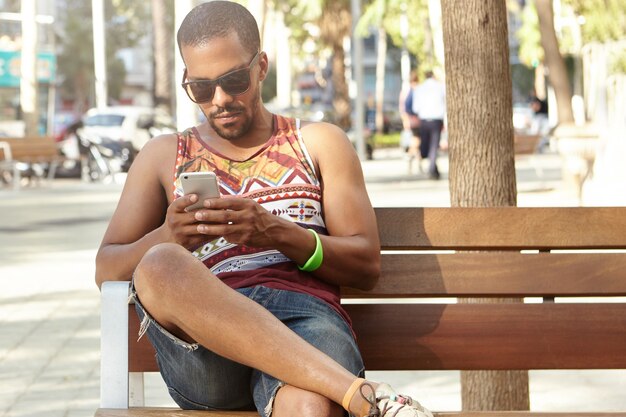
163,141
324,129
160,147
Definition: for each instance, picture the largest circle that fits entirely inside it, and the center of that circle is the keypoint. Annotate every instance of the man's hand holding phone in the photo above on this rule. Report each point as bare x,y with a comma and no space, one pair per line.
180,222
239,220
203,184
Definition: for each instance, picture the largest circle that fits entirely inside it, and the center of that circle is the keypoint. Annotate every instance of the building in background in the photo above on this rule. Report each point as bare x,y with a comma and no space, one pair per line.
138,61
11,123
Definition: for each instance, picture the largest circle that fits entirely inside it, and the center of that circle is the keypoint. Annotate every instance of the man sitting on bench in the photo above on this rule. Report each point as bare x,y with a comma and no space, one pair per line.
240,298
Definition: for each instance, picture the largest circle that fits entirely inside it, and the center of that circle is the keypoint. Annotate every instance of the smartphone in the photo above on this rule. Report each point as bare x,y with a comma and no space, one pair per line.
203,184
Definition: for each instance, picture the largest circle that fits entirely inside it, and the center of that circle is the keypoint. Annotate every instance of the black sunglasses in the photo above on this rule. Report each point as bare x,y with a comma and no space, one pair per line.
233,83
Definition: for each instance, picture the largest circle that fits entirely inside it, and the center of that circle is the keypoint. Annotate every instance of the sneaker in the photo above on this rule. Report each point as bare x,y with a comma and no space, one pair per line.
389,404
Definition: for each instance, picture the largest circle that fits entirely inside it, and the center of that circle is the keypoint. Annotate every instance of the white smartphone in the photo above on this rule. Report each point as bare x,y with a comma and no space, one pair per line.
203,184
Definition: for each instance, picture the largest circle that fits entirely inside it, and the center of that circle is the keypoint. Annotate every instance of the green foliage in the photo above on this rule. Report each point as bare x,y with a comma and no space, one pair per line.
388,13
125,22
523,79
269,87
604,20
530,50
75,46
298,15
386,140
597,20
116,73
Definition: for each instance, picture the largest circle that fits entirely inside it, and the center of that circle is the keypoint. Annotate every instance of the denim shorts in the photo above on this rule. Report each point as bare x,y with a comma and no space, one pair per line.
198,379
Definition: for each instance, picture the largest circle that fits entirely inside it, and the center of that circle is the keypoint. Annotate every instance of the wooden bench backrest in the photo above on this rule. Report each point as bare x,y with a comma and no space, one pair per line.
395,332
31,149
525,144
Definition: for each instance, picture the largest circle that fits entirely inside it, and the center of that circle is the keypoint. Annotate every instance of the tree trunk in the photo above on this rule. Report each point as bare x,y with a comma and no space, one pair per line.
557,74
494,390
335,25
163,50
480,137
28,69
341,98
479,103
381,62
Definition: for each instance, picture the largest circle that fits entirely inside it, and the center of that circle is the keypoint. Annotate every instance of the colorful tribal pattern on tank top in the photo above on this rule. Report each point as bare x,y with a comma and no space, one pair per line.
282,179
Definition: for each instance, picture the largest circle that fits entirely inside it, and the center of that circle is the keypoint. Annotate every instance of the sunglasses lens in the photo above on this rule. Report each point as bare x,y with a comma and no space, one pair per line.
236,82
200,92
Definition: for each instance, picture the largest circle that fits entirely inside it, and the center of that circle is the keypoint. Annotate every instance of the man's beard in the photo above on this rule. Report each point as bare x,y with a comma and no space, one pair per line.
233,134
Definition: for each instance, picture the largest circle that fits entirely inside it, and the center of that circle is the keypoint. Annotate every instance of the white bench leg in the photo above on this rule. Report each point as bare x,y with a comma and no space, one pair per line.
136,391
52,170
17,177
114,378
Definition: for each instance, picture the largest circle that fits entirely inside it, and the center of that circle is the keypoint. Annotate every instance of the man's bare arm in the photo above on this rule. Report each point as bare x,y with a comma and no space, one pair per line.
142,218
352,249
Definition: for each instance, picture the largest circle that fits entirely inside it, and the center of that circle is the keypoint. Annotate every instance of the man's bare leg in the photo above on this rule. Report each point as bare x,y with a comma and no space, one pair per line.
291,401
185,298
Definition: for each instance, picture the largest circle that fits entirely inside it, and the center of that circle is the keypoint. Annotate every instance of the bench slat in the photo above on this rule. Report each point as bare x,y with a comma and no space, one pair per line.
502,228
169,412
525,144
491,336
172,412
32,149
471,336
498,274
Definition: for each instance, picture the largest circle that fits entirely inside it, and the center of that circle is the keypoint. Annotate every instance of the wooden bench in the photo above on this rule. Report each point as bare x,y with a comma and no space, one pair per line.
525,144
37,155
432,252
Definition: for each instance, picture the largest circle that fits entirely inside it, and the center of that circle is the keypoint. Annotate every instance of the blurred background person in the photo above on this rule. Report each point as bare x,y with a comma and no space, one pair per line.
429,104
409,138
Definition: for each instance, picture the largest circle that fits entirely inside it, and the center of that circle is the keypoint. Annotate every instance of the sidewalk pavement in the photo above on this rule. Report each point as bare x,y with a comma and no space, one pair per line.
49,304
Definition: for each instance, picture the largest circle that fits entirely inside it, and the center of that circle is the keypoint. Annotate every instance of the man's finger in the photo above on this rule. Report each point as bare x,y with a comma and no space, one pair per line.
181,203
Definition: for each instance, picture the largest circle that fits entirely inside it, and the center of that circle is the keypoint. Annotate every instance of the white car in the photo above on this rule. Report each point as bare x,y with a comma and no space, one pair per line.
132,124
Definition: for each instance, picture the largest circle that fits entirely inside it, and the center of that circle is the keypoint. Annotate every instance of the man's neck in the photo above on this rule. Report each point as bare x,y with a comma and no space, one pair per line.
261,129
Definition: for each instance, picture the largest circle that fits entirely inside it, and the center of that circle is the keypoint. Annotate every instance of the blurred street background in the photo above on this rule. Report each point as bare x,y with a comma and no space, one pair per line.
97,79
49,303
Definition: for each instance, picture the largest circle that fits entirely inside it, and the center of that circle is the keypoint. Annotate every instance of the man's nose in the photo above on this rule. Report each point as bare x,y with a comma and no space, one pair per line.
221,97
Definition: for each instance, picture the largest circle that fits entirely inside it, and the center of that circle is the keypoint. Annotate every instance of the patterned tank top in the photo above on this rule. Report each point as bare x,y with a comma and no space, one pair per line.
282,179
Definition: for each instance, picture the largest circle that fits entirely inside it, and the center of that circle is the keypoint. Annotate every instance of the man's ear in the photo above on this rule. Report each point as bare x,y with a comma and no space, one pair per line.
263,65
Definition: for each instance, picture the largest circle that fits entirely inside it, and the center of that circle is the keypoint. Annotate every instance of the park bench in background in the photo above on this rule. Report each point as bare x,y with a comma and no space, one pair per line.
525,144
36,156
523,252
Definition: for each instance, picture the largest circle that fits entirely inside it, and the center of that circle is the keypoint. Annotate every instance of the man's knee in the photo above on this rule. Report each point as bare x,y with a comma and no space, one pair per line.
291,401
157,268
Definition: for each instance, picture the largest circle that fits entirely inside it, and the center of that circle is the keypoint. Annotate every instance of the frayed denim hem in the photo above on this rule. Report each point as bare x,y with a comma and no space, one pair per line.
147,321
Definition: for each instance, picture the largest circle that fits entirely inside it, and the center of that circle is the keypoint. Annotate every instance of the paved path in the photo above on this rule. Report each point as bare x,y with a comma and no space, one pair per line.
49,304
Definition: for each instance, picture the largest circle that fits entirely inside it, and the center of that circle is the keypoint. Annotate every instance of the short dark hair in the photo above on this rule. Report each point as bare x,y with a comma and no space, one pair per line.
218,19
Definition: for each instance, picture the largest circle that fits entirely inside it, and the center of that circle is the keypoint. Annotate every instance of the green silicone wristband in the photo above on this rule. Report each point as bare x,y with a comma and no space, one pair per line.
315,261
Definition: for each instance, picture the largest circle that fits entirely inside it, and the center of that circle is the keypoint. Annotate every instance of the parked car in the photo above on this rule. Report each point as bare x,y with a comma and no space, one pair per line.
132,124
